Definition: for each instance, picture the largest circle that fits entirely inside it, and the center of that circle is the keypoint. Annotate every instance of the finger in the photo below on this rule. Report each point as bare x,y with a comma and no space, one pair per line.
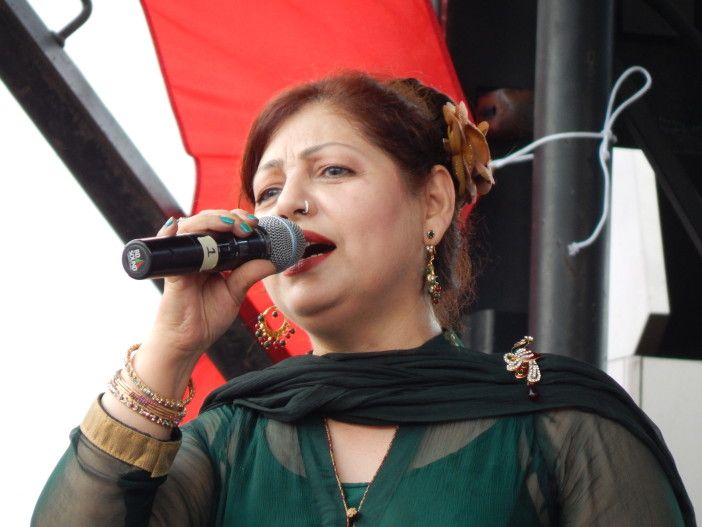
247,221
215,220
169,228
241,279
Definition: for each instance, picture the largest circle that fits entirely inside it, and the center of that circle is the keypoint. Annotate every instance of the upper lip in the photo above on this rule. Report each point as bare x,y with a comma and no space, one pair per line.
312,237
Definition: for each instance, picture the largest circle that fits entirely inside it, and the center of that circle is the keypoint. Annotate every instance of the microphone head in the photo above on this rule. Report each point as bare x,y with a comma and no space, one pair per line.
287,241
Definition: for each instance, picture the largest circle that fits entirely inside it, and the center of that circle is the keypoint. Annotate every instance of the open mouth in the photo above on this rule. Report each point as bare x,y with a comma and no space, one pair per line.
316,245
315,249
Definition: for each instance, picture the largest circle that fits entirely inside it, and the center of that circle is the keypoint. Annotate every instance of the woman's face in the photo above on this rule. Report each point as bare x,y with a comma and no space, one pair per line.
363,221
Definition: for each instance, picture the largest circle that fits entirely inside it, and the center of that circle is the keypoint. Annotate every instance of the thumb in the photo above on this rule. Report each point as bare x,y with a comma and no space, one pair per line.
241,279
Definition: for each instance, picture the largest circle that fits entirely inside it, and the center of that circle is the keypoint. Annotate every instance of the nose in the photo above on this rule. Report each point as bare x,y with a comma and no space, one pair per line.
292,202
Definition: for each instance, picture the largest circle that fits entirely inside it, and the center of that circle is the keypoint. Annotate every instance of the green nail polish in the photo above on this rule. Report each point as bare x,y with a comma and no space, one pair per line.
245,227
251,216
227,220
169,222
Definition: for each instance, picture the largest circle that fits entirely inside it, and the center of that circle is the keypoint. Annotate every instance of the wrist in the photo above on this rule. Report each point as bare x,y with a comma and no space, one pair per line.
163,370
149,393
169,353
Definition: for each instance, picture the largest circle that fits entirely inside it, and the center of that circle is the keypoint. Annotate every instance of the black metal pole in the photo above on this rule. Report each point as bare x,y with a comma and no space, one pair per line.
567,305
75,122
96,150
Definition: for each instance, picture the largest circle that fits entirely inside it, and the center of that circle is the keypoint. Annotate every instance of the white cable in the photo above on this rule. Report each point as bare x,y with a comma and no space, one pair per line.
523,153
606,138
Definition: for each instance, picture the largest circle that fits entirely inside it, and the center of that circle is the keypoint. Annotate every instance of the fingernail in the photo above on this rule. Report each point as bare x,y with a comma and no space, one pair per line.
227,220
169,222
245,227
251,216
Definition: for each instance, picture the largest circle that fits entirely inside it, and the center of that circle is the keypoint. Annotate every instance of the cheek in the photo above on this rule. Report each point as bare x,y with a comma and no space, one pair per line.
381,206
274,288
386,232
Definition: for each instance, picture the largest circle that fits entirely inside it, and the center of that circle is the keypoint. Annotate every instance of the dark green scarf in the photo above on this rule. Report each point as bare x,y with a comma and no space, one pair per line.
434,383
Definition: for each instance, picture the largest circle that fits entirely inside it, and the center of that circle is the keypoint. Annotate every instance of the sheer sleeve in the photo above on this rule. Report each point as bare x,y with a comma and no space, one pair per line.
113,475
602,474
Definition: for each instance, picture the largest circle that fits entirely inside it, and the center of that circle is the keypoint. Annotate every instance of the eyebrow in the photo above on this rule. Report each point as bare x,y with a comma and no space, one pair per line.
277,163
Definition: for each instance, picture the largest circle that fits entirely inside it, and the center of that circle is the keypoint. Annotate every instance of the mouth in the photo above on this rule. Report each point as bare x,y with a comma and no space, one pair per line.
316,245
317,248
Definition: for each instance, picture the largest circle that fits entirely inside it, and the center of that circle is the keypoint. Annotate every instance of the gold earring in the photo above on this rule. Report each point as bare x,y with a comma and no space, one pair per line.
432,281
269,337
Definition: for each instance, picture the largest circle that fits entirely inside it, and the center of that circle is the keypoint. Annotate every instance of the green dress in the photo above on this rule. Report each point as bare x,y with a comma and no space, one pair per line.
236,467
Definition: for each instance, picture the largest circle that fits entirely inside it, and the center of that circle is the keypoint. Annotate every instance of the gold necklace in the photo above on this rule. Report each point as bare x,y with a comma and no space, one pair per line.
352,513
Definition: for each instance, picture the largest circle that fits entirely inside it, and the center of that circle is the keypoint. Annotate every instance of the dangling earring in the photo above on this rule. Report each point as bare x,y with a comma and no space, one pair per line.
432,281
269,337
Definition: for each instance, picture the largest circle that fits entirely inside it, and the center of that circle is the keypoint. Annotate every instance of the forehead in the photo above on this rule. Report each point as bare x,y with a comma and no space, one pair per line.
314,124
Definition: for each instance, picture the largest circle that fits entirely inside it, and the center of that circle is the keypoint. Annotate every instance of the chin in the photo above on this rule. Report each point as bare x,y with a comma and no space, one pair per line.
309,311
299,302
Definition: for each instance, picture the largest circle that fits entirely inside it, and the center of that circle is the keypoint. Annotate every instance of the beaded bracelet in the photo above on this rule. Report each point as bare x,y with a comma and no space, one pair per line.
168,423
122,388
131,403
146,390
129,389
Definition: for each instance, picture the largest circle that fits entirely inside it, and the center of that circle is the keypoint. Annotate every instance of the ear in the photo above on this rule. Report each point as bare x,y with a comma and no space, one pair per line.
439,200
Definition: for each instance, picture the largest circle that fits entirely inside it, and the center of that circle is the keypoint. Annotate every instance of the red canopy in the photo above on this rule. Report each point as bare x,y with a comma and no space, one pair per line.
223,59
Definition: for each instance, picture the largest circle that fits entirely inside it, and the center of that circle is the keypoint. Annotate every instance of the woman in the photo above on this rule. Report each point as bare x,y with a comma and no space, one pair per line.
389,421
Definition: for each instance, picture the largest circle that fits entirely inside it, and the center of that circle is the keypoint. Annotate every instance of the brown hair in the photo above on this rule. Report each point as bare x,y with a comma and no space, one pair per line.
402,117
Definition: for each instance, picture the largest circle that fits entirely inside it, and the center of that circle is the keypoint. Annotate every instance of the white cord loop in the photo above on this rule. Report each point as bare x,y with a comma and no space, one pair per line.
606,137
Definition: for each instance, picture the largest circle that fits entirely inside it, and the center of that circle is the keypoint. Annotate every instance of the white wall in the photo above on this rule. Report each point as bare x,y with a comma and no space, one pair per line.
637,282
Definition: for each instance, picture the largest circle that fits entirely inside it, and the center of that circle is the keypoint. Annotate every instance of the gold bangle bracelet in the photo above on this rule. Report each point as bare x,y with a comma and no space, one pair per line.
126,390
132,405
146,390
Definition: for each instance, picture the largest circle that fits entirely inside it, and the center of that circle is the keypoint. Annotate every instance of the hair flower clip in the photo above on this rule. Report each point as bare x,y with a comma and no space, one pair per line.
469,151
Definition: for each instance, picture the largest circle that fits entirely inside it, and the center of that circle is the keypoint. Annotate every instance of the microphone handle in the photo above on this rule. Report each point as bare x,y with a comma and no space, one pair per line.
192,253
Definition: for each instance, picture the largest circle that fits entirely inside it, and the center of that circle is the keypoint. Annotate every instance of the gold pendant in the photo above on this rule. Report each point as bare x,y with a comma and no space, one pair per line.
352,514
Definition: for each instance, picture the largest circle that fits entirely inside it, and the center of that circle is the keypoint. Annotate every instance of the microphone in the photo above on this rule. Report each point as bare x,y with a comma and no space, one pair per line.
276,239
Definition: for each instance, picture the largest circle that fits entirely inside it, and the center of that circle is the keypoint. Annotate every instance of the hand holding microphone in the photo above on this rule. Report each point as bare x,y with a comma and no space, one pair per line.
199,303
276,239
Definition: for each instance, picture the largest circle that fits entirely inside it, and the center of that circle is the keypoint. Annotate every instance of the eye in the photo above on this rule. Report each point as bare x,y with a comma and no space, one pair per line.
267,194
336,171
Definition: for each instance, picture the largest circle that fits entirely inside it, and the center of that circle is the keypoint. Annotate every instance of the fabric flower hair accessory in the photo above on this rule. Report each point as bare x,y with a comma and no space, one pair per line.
469,151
